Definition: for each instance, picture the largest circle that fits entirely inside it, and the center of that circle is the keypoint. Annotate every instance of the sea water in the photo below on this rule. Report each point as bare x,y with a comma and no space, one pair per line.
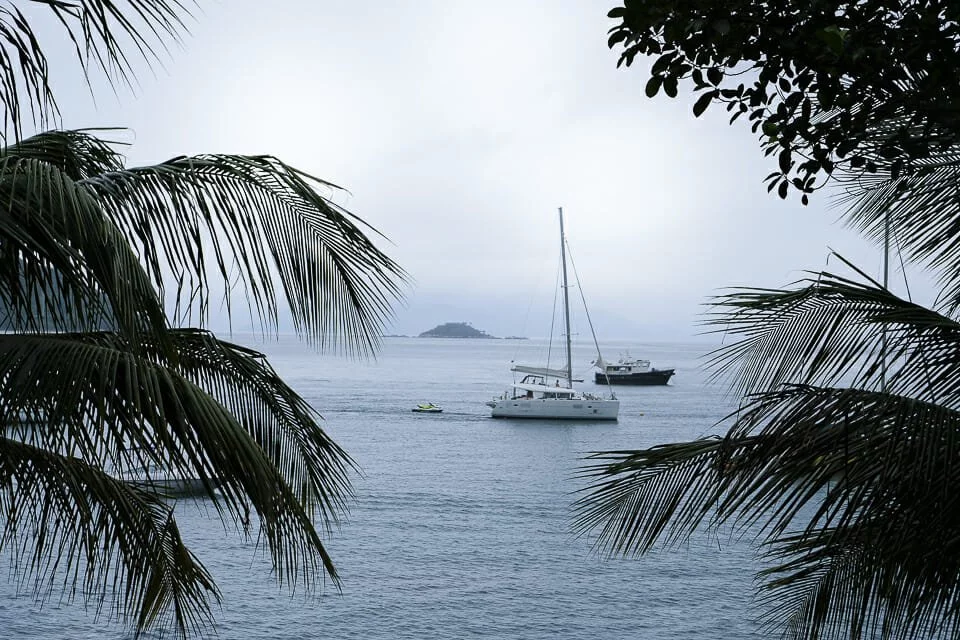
461,526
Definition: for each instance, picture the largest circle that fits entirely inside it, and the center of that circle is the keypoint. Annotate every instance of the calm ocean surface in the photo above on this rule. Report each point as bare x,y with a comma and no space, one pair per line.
461,527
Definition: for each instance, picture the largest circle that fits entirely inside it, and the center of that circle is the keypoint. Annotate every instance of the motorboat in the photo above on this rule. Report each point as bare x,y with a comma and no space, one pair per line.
632,371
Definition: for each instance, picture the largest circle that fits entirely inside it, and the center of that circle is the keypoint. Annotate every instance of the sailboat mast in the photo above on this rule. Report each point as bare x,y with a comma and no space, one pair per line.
566,301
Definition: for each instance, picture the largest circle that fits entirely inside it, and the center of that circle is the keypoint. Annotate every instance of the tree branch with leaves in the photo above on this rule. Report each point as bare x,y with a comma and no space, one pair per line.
814,79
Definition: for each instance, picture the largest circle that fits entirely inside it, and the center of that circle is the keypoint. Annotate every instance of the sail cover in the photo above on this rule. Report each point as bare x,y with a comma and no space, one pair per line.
540,371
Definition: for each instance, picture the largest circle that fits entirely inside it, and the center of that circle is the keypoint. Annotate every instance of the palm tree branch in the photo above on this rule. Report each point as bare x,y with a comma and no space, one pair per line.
24,77
245,434
64,517
637,497
826,457
832,330
917,204
77,154
860,587
283,425
100,31
67,266
254,212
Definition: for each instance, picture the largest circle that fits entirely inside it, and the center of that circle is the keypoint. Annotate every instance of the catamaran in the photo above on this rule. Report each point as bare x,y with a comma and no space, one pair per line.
547,393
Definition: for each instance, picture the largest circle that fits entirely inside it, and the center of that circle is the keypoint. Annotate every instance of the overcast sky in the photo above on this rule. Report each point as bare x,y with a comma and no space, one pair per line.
459,127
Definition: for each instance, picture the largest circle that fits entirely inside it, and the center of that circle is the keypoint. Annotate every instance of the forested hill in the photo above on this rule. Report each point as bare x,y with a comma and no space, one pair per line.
455,330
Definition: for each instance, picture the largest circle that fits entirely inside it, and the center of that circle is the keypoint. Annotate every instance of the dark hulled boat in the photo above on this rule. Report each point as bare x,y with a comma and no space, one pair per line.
630,371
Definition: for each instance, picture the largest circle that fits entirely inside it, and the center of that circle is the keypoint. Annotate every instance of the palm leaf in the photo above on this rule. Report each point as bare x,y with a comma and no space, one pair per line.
24,76
283,425
242,217
90,397
65,518
66,266
834,330
637,497
917,205
80,410
77,154
816,474
851,490
827,590
101,31
215,218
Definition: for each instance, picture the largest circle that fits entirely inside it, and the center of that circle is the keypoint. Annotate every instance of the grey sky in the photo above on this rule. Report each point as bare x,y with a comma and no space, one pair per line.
459,128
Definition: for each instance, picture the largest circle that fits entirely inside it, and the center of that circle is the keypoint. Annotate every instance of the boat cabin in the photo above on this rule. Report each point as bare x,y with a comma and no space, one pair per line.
627,366
537,387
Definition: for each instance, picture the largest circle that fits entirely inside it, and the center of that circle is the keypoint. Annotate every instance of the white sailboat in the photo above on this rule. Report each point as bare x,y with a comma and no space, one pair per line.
546,393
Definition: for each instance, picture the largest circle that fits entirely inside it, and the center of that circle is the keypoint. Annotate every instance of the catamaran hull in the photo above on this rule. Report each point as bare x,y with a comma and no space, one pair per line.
550,409
657,376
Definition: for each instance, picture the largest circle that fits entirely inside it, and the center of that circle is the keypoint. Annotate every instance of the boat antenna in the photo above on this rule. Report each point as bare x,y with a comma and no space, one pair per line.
566,301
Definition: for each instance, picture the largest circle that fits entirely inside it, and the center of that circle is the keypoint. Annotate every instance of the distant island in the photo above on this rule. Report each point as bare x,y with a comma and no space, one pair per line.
455,330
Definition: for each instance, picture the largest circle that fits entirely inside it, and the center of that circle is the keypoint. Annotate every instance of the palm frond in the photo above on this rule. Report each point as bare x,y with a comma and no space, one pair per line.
816,474
67,520
919,203
248,438
852,582
637,497
77,154
282,424
860,587
833,330
101,32
24,74
66,266
246,218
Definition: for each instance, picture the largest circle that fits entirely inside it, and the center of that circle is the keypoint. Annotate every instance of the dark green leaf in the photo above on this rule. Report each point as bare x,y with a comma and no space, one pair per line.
653,86
784,159
670,86
703,102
